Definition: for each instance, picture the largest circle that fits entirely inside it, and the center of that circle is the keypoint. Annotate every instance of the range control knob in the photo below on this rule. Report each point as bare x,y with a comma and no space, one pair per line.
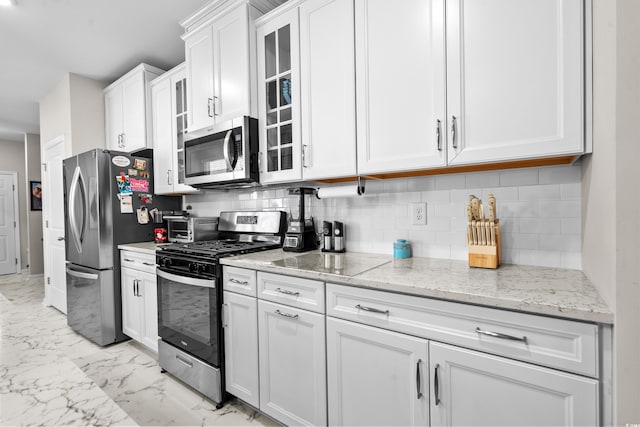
194,267
165,262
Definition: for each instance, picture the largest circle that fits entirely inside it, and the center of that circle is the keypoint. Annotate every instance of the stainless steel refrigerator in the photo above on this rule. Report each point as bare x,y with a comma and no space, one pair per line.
107,195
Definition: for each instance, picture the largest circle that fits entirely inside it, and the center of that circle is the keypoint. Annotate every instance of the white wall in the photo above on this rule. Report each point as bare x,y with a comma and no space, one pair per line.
539,211
55,114
12,160
87,113
611,208
34,224
74,108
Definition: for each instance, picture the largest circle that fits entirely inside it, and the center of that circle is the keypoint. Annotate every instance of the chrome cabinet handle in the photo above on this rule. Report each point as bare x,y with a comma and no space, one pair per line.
239,282
454,132
225,319
168,176
439,135
373,310
209,102
133,287
286,292
60,239
418,380
291,316
304,155
149,264
185,362
503,336
128,260
436,384
215,110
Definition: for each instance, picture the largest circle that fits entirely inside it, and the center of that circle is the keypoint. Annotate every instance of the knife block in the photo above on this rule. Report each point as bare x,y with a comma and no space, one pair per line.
486,256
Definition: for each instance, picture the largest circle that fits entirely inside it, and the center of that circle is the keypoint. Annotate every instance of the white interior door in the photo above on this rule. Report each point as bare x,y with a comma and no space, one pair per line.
8,224
53,222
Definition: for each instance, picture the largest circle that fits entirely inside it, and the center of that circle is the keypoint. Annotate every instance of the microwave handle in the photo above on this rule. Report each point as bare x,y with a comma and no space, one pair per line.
225,150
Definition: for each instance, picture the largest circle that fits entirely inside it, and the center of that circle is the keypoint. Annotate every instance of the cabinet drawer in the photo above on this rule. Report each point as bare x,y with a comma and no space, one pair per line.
138,261
293,291
563,344
239,280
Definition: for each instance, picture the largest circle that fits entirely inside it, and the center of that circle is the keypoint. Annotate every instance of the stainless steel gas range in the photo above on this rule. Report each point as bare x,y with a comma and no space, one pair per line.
190,297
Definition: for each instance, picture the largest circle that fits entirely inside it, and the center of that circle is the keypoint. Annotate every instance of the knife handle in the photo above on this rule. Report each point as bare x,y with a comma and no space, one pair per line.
492,213
474,232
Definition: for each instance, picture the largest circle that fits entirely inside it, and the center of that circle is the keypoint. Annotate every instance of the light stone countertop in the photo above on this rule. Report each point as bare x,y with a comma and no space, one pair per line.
539,290
143,247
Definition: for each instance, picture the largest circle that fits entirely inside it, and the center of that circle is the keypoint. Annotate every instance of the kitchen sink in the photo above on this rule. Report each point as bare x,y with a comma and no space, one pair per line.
344,264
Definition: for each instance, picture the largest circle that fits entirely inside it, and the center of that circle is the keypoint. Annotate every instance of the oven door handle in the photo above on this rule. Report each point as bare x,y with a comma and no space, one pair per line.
206,283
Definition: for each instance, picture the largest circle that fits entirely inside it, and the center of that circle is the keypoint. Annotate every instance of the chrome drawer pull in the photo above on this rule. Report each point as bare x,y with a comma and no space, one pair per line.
503,336
184,362
373,310
128,260
418,380
291,316
436,384
239,282
286,292
148,263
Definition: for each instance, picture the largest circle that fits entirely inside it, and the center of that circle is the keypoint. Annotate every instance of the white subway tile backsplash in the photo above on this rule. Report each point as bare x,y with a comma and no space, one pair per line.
560,174
482,179
541,225
541,258
519,177
571,226
450,182
539,211
539,192
421,183
571,191
560,208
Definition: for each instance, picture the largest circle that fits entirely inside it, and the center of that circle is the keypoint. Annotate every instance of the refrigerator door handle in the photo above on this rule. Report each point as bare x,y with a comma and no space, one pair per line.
81,275
76,233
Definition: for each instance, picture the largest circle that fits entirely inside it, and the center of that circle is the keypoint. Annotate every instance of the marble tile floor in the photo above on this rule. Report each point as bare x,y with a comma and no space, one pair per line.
51,376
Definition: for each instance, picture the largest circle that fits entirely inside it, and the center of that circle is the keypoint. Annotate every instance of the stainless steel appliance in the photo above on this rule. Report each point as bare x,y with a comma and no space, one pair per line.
190,297
186,229
102,199
223,155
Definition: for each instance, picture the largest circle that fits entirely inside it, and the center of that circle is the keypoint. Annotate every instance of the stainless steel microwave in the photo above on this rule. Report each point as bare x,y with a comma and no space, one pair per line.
223,155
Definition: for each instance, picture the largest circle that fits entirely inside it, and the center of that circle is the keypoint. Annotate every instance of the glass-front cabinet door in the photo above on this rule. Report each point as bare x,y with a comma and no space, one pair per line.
279,99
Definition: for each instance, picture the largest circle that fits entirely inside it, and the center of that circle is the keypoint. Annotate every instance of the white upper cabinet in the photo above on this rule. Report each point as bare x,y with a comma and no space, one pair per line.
279,98
400,78
327,93
219,46
128,110
515,79
169,117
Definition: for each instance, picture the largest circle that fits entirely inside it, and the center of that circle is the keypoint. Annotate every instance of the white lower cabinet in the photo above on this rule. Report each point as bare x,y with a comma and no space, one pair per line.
376,377
473,388
139,296
241,346
292,364
377,358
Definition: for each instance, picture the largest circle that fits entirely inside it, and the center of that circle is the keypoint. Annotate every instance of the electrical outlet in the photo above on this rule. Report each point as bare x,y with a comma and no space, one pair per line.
418,213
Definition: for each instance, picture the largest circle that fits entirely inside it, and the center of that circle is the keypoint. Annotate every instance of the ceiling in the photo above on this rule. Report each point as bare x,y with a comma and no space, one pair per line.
43,40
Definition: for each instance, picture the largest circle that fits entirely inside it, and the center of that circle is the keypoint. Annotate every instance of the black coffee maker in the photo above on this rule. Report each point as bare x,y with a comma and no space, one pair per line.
301,233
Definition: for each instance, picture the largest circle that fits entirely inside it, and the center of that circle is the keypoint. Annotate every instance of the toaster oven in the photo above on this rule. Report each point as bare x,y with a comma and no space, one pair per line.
186,229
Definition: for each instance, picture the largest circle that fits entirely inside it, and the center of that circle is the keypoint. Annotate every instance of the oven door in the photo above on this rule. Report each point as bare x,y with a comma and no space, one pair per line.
188,313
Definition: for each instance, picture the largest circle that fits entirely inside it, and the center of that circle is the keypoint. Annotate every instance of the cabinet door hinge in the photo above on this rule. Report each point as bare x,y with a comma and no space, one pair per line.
46,224
48,280
14,187
44,166
16,261
14,224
